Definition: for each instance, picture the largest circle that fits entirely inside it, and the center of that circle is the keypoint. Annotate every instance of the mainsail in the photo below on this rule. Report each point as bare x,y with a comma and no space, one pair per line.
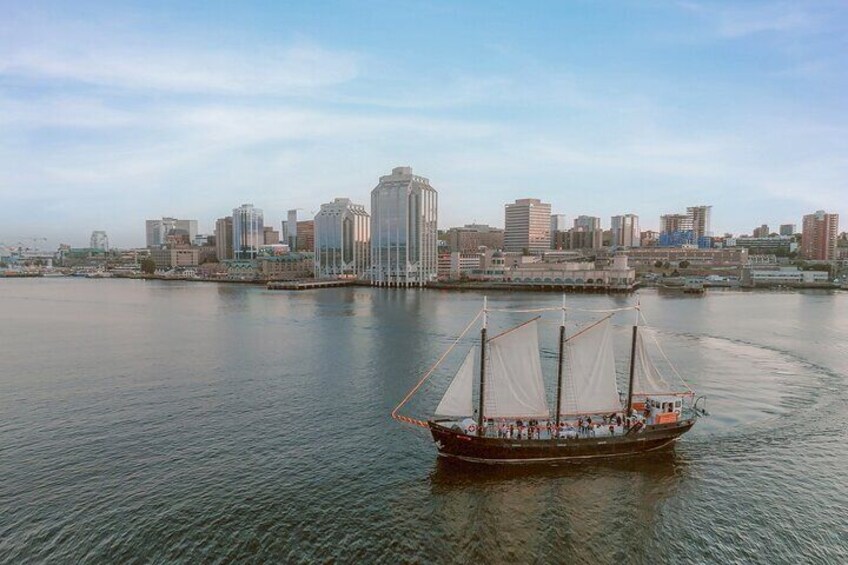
514,386
589,381
457,399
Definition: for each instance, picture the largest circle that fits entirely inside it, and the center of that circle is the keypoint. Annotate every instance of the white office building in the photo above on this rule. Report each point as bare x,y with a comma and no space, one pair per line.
248,231
404,238
342,240
527,226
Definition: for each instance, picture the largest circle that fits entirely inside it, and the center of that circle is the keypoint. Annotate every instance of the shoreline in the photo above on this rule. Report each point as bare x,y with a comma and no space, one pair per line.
302,285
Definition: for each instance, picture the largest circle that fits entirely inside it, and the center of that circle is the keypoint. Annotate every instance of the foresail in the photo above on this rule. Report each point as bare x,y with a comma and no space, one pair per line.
457,399
514,385
647,379
589,379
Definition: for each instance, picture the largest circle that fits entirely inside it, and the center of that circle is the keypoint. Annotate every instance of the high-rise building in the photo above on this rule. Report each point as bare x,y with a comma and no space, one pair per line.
248,227
99,240
157,231
404,233
527,226
342,240
787,229
557,225
587,223
582,238
305,240
625,231
762,231
224,238
670,223
818,236
701,217
289,233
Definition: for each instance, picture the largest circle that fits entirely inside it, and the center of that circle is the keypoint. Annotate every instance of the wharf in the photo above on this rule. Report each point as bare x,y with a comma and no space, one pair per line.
308,284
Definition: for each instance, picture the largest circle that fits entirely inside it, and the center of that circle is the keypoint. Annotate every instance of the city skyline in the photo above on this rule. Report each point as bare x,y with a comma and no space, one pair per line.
643,108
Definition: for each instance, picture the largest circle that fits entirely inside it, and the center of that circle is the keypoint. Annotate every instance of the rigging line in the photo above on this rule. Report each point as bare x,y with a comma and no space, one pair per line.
491,339
589,327
430,372
560,308
662,352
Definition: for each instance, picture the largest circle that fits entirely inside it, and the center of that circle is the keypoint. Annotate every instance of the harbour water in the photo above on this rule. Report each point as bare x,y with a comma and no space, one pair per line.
192,422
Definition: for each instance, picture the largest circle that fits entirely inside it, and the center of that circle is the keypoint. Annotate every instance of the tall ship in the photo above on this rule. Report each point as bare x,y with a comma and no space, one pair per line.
496,408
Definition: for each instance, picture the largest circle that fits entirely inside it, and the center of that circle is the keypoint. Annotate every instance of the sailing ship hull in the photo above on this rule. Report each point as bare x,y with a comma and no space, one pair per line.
489,450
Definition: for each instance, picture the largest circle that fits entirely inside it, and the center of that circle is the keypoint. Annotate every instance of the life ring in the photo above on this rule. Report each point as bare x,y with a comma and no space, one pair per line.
472,428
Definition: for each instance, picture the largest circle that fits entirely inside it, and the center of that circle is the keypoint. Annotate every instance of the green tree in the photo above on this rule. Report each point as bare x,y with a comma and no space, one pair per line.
684,264
148,266
658,264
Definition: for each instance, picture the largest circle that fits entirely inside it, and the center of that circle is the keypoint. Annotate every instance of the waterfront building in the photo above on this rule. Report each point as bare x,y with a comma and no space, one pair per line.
224,238
404,239
725,257
342,240
157,231
248,227
472,237
761,232
99,240
288,266
787,229
625,231
527,226
586,274
780,246
784,276
818,236
456,265
175,257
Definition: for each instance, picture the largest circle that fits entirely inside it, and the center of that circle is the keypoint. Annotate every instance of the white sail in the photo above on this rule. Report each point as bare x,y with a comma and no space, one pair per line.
647,379
457,399
514,386
589,381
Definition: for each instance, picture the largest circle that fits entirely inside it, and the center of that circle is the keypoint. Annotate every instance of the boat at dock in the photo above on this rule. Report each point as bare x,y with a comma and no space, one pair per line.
496,410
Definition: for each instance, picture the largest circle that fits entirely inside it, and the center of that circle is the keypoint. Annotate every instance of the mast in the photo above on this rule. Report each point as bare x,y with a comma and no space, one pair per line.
559,365
480,417
632,362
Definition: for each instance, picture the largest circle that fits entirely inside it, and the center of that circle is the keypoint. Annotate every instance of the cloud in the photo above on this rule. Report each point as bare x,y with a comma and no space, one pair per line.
742,20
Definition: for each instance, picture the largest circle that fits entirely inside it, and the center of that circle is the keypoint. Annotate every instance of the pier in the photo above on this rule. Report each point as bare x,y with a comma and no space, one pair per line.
308,284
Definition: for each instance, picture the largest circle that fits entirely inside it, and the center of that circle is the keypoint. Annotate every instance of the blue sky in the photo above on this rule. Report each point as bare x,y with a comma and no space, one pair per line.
113,112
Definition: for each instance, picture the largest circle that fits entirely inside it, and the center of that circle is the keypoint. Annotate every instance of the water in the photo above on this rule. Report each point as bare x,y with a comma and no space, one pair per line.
168,422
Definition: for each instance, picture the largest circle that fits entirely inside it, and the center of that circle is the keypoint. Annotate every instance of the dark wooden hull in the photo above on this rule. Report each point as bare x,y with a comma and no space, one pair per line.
490,450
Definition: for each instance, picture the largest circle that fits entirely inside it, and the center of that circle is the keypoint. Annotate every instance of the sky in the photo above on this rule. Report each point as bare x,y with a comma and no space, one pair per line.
114,112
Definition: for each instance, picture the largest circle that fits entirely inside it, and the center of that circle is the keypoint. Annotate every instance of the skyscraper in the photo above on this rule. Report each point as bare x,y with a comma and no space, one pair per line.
99,240
289,233
787,229
157,231
404,238
587,223
762,231
342,240
527,226
818,236
701,217
248,227
625,231
557,225
224,238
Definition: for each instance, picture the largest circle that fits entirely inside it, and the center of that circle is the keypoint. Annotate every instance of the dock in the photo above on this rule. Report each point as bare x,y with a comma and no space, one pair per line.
308,284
